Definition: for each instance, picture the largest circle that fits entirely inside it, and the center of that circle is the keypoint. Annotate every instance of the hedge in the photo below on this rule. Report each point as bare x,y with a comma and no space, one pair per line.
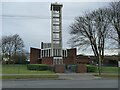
73,68
39,67
91,68
51,68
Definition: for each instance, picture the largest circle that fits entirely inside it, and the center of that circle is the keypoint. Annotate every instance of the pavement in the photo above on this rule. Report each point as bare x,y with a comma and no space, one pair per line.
68,76
77,76
64,76
65,80
59,84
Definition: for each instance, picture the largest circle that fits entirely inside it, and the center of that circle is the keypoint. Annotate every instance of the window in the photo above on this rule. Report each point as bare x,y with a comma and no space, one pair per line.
46,53
41,53
56,14
64,53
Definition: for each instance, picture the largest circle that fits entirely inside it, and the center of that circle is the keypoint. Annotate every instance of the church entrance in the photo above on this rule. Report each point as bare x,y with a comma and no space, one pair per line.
70,68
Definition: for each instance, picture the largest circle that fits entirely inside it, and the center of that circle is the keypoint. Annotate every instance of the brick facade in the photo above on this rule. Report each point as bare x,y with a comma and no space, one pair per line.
36,59
60,68
47,60
83,59
34,55
71,57
108,60
81,68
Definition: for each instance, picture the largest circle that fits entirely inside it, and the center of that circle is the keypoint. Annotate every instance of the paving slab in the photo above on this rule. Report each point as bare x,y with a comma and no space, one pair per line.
77,76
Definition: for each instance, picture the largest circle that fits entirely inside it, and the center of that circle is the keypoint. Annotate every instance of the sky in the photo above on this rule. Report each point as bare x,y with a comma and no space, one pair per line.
31,20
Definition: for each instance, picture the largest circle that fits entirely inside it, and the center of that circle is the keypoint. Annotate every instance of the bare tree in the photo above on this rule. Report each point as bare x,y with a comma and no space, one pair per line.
0,51
112,35
18,43
114,17
91,30
11,44
102,26
20,57
7,45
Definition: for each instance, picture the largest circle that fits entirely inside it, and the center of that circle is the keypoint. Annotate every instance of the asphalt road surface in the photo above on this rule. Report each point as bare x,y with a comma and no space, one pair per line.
98,83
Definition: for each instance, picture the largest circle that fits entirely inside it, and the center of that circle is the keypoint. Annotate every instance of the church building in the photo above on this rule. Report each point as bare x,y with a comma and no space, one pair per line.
53,53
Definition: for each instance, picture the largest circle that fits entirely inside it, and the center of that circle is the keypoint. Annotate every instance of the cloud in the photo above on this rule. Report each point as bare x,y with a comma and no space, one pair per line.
32,20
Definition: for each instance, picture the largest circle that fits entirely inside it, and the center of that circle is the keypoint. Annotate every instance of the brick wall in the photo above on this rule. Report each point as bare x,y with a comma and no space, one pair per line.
47,60
71,57
60,68
83,59
81,68
34,55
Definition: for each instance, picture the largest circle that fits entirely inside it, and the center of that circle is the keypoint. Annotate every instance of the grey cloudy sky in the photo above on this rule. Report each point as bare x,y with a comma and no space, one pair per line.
32,20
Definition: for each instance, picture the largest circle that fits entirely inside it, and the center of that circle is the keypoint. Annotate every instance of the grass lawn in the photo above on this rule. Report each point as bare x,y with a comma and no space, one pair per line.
109,69
107,75
30,77
108,72
23,73
22,69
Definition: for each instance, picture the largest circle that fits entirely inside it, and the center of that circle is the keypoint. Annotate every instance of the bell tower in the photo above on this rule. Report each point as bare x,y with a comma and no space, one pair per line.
56,33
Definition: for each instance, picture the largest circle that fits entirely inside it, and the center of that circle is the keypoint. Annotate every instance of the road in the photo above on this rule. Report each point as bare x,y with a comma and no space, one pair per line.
96,83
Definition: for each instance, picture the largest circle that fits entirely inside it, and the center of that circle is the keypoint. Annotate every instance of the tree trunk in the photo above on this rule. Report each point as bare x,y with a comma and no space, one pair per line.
118,31
99,65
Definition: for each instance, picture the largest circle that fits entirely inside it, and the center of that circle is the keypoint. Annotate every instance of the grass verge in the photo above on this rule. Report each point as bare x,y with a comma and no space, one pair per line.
30,77
107,75
21,72
109,69
21,69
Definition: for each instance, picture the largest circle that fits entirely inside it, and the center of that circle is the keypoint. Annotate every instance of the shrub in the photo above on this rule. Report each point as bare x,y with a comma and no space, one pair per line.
51,68
91,68
73,68
39,67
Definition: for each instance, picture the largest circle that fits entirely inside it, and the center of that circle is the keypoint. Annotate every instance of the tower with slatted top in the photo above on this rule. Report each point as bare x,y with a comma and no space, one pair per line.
56,33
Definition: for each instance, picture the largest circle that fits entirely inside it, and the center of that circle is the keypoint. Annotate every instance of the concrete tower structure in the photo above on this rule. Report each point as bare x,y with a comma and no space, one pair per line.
56,33
52,53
